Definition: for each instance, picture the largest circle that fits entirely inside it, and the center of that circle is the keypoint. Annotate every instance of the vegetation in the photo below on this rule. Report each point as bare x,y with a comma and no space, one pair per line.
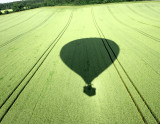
6,12
30,4
17,7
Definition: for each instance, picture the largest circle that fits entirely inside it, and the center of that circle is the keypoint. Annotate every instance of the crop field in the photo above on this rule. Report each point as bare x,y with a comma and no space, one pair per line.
81,65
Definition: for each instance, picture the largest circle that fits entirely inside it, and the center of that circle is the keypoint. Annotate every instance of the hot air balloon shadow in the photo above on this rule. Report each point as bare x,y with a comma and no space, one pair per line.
89,57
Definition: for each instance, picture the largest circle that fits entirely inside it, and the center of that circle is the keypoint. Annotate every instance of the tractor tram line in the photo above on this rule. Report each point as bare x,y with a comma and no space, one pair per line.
110,55
30,30
135,29
32,16
119,21
32,71
151,8
149,108
128,26
141,14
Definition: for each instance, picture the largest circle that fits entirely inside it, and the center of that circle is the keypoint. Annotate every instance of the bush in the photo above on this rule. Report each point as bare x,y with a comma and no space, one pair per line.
17,7
0,13
6,12
49,3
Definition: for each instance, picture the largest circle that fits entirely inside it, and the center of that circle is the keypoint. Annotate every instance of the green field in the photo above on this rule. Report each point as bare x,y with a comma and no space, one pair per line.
93,64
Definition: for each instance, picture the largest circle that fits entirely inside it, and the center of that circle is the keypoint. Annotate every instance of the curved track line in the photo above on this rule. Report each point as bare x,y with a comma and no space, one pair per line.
17,14
149,108
141,15
122,23
20,22
143,43
128,26
101,35
144,23
151,67
141,32
158,12
47,52
22,34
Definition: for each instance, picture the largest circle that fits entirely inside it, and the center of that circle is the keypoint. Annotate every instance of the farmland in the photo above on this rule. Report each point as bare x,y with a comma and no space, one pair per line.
50,57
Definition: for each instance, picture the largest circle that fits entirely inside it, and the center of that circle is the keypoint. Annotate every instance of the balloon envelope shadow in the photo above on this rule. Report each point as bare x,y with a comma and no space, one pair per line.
89,58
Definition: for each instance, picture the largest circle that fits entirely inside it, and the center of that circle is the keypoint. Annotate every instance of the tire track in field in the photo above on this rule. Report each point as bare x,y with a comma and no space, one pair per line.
103,41
141,15
20,22
17,14
122,23
130,78
33,71
158,12
112,51
144,44
151,66
137,30
144,22
22,34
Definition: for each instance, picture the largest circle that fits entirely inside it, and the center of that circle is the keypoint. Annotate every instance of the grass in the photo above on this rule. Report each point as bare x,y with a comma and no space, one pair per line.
83,64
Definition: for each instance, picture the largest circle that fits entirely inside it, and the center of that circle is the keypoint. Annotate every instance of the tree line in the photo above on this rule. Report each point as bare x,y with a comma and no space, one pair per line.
31,4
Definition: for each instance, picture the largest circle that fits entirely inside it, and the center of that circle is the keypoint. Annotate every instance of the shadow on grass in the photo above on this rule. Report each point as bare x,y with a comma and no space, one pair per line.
89,58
